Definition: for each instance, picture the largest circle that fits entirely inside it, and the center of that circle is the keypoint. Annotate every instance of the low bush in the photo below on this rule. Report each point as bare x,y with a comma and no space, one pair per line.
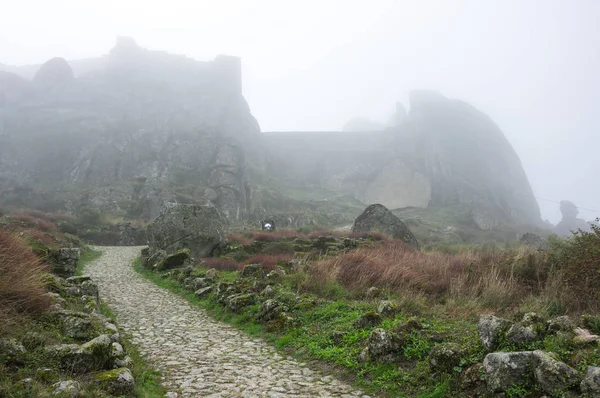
577,261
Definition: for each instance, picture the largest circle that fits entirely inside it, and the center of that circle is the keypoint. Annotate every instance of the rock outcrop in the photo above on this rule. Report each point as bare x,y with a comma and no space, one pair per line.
569,222
377,218
198,228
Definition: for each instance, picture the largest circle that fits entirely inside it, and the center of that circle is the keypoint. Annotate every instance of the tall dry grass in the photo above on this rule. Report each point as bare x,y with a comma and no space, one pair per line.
21,288
246,238
493,279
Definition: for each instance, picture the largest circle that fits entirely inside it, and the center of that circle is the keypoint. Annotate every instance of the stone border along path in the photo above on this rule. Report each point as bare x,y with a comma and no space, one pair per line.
198,356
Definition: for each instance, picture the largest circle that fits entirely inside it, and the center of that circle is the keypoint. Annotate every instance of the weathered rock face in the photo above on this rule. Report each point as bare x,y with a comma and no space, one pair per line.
444,152
506,369
198,228
590,384
120,137
378,218
490,328
552,375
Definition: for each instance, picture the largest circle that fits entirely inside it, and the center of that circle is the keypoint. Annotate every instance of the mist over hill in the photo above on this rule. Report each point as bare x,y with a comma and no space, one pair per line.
136,129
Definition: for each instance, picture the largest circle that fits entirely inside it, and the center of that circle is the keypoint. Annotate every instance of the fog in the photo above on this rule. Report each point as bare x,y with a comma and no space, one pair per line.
312,65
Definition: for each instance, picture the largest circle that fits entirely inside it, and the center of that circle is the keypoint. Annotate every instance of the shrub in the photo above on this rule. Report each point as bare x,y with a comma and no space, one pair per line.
31,221
21,288
577,260
88,215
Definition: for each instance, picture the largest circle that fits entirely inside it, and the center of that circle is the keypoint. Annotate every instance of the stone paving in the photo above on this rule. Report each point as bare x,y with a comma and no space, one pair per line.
198,356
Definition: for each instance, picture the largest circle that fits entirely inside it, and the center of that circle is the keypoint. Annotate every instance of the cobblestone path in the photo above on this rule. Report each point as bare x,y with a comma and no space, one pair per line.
198,356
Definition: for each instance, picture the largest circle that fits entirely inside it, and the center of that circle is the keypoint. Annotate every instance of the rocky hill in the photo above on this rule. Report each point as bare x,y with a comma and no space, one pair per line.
133,130
445,152
121,137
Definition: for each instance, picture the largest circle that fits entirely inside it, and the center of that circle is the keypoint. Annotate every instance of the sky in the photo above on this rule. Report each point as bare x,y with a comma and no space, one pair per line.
532,65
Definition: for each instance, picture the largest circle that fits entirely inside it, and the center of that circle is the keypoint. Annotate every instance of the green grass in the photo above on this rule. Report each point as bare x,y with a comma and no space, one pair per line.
87,256
311,337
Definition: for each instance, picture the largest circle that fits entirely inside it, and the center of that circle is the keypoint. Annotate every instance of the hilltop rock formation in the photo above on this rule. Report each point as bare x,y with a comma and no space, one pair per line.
54,74
569,221
143,129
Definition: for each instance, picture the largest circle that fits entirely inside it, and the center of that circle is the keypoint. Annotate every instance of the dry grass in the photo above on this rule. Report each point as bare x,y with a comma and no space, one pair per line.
246,238
21,289
494,279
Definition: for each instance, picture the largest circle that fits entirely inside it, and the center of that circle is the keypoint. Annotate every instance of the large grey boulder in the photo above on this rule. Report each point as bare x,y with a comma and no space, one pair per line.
117,381
382,347
378,218
11,351
93,355
77,325
444,357
590,384
198,228
239,301
506,369
67,388
490,327
520,333
269,310
553,376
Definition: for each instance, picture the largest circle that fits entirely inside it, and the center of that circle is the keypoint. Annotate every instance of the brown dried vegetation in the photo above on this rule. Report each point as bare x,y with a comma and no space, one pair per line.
21,288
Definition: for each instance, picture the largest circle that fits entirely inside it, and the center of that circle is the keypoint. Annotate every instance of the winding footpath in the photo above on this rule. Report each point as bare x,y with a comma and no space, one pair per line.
198,356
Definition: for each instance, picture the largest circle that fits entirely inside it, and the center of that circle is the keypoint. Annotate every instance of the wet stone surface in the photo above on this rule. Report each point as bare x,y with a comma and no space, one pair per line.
198,356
